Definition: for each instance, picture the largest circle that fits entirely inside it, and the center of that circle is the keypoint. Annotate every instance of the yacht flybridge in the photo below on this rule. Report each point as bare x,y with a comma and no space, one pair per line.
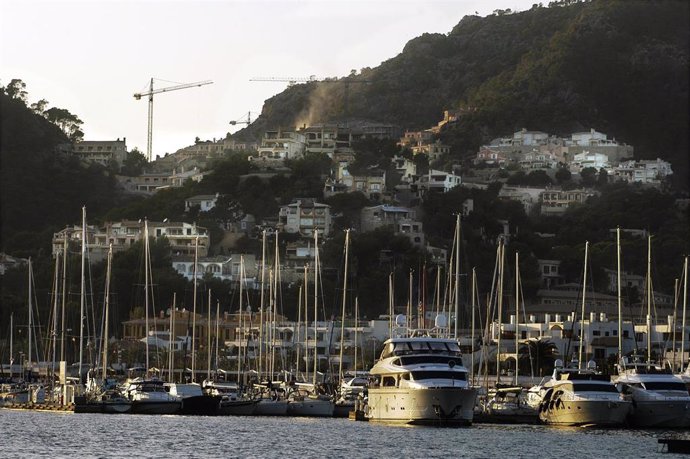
420,379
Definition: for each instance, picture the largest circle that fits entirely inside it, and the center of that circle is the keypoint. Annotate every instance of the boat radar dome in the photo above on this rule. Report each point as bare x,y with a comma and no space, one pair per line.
400,320
558,363
441,321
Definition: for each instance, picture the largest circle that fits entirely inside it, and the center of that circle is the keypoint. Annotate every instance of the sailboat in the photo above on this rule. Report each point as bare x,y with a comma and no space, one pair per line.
102,397
194,400
659,398
506,403
148,394
304,399
233,401
269,400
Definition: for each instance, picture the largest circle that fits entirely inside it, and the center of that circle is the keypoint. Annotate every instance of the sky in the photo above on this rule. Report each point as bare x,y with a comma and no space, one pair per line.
91,56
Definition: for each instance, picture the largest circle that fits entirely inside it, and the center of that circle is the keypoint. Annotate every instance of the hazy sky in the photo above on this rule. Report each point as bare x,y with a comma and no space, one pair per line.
90,57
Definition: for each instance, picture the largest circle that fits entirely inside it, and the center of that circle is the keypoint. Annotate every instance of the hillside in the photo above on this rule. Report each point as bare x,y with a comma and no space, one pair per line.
618,66
41,189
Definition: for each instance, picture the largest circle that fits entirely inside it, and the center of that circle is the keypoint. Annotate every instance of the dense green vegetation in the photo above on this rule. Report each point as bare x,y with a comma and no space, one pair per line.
618,66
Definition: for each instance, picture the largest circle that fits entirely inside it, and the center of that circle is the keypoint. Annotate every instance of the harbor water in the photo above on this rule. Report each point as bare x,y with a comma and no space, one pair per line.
42,434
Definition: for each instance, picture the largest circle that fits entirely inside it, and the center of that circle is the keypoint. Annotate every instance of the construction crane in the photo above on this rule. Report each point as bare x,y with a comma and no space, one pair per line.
313,79
247,121
289,80
150,94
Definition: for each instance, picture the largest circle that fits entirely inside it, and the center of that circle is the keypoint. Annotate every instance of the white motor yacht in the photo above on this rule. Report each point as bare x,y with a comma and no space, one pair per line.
659,398
582,397
148,396
420,380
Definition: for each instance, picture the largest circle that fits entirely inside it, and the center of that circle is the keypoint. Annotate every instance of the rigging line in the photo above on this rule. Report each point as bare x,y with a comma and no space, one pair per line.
524,315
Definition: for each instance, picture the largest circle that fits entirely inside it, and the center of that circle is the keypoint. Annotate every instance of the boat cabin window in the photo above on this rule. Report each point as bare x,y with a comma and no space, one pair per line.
388,381
438,346
580,387
453,347
665,385
405,376
417,359
419,345
422,375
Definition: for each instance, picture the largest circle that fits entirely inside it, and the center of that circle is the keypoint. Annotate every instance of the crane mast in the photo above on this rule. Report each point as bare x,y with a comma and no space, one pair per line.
150,93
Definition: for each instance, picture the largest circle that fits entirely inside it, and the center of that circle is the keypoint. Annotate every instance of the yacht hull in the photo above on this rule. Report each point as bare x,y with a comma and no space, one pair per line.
271,408
342,410
114,407
310,407
238,408
200,405
155,407
585,413
660,414
436,406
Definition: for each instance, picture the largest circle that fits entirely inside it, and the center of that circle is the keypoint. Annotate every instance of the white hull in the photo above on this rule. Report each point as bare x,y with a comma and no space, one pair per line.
447,405
311,407
660,413
585,413
266,407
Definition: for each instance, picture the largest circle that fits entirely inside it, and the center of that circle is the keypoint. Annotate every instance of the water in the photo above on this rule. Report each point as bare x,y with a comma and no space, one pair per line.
36,434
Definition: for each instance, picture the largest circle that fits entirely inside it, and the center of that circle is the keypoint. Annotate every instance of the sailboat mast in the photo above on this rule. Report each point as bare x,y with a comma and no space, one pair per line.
55,322
438,290
517,316
391,307
620,305
675,310
274,312
649,299
215,365
171,339
582,316
474,306
299,325
457,276
208,338
316,303
82,296
306,324
64,298
11,342
261,302
107,309
356,327
146,290
196,263
269,358
342,318
501,249
685,305
409,303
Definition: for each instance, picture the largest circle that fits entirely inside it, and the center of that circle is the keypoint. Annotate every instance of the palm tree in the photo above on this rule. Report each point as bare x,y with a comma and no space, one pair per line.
537,356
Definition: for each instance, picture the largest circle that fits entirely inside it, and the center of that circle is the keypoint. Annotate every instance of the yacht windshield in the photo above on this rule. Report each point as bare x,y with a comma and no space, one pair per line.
578,387
422,375
665,385
417,359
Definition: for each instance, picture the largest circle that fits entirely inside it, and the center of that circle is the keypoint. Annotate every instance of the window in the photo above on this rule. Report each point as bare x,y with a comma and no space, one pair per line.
589,387
422,375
